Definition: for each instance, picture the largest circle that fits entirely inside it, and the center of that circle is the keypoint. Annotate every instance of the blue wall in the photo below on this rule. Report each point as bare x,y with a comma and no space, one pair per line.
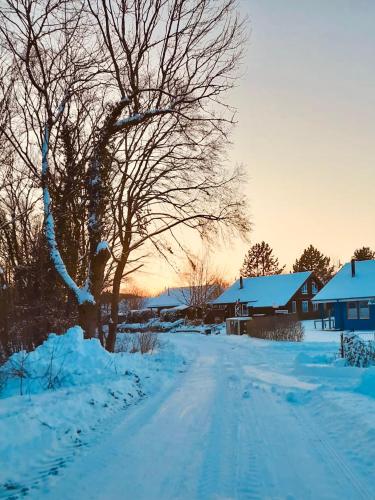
343,323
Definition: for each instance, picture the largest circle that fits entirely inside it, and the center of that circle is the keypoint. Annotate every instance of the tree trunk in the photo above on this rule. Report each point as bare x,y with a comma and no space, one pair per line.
88,318
111,340
112,333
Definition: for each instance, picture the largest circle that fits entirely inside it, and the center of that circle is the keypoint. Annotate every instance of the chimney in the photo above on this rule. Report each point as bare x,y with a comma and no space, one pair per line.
353,267
241,282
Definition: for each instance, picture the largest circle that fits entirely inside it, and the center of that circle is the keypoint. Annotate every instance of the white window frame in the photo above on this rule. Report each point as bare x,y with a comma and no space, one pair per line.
294,306
366,308
353,310
315,307
304,289
305,302
314,288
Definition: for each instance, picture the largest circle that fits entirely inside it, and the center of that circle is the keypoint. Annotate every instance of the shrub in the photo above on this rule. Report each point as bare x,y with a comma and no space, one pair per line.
358,352
139,316
143,342
282,328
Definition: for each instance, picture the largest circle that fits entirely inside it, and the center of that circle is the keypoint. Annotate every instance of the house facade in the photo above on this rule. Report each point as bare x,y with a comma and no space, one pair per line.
350,296
266,295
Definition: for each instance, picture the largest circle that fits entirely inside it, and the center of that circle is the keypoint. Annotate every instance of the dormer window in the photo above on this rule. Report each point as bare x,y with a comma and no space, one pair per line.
314,288
304,289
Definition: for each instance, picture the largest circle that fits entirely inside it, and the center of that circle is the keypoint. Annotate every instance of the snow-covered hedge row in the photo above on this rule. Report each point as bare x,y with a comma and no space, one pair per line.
358,352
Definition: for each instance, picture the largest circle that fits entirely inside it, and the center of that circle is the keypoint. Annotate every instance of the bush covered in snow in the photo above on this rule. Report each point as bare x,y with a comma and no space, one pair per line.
278,327
143,342
358,352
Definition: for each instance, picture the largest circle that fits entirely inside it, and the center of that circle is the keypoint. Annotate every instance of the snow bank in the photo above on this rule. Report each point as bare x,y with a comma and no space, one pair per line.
61,361
367,382
64,395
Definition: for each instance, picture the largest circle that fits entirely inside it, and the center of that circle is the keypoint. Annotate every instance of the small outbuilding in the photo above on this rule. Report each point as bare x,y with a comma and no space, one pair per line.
239,325
350,295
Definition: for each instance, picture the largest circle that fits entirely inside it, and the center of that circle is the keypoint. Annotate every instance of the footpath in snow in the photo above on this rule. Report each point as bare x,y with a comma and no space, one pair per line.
239,418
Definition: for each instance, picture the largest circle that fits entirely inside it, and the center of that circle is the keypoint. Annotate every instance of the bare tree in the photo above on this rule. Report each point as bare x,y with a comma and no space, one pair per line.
89,72
204,282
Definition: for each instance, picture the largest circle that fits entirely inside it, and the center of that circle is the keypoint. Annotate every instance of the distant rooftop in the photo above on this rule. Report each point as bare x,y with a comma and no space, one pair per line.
345,287
172,297
264,291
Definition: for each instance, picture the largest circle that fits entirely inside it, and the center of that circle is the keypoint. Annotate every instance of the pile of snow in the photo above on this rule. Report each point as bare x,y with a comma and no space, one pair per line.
366,385
64,395
61,361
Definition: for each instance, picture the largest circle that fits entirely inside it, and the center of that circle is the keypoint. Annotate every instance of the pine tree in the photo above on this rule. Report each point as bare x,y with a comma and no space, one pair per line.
313,260
260,261
364,253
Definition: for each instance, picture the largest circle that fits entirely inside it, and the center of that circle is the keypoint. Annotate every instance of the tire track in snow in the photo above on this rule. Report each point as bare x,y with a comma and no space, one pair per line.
336,461
46,470
217,477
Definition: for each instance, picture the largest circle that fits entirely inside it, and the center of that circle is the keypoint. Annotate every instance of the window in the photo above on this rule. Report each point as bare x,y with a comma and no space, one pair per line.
352,310
315,307
305,306
364,310
294,306
304,289
314,288
244,311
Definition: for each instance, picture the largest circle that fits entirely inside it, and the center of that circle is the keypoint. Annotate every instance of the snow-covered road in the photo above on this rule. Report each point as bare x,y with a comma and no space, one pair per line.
243,421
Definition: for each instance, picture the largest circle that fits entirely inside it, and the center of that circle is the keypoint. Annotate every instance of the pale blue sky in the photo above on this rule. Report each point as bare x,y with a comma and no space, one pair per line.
306,129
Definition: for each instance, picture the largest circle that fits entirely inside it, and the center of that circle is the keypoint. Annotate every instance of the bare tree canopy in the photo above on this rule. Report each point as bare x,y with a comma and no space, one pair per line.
124,105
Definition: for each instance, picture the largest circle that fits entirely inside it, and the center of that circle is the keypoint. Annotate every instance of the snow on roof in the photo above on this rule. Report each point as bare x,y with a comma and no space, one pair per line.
173,297
264,291
182,307
345,287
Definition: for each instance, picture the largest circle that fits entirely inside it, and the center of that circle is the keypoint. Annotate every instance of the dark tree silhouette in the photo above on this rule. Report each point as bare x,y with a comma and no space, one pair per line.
260,261
364,253
313,260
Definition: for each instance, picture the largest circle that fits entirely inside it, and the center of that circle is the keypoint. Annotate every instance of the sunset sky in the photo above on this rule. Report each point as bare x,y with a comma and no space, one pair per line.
305,133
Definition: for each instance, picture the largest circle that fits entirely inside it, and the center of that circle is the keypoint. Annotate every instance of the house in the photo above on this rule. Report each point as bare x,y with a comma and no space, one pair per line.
265,295
350,295
190,301
173,299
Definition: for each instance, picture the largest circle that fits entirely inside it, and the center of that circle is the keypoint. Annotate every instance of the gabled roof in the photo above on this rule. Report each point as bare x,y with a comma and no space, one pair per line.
345,287
173,297
264,291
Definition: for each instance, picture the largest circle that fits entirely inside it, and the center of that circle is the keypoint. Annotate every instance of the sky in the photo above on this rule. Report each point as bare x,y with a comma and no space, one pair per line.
305,133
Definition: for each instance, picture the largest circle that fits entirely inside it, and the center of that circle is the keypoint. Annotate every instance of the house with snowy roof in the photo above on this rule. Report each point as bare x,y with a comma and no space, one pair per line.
350,294
182,298
171,298
265,295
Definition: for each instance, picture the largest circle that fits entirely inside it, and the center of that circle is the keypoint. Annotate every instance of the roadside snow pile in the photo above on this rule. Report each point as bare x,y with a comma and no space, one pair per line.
61,361
367,383
53,399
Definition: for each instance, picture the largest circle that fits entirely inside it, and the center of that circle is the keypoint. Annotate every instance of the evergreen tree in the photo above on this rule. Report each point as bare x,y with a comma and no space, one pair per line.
364,253
260,261
313,260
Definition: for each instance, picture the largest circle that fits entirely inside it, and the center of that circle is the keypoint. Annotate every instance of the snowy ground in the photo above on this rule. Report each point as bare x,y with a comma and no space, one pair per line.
242,418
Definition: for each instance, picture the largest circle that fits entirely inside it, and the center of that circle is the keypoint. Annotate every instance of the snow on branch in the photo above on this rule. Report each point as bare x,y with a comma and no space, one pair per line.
82,295
140,117
102,247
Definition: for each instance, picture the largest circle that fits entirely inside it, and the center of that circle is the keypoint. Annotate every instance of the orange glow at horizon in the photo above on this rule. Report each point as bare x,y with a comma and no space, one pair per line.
305,133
